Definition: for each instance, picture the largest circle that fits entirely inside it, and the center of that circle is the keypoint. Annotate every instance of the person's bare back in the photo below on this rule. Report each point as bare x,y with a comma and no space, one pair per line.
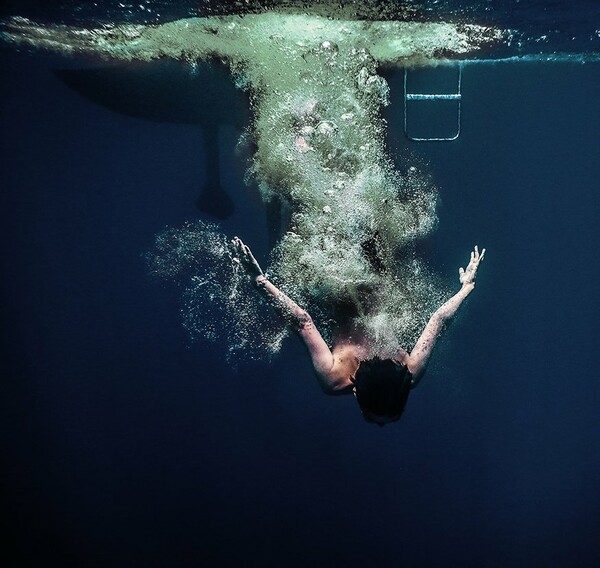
380,378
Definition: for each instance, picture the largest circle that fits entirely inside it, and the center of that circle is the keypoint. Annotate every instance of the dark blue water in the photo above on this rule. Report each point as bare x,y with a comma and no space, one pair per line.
124,445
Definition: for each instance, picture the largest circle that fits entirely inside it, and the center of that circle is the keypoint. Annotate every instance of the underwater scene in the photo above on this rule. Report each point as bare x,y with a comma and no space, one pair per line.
216,215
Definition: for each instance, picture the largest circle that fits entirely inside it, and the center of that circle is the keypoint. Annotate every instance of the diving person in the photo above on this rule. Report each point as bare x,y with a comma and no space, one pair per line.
380,379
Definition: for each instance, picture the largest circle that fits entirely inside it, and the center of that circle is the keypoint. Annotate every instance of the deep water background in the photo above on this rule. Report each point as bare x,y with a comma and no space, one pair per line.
124,445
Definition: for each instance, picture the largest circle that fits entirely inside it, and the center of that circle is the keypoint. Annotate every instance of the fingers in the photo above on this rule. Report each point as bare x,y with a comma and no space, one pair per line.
477,256
239,246
242,250
467,275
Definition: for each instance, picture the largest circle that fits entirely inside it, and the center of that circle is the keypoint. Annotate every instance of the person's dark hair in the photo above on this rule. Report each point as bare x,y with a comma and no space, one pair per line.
382,387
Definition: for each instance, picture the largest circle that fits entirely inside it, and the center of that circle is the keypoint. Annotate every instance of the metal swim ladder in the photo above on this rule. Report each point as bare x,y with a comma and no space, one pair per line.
457,96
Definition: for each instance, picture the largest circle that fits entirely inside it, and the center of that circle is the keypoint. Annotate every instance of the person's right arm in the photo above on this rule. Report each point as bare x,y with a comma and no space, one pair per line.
296,317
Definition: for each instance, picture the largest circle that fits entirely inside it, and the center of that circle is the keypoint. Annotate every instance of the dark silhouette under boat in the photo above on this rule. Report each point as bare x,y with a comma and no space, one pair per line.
174,92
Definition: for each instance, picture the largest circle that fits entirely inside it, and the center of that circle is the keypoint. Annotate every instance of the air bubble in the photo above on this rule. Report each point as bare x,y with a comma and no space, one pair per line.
326,128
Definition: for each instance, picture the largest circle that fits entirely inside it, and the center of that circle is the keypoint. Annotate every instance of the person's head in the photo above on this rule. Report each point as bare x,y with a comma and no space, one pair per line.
381,387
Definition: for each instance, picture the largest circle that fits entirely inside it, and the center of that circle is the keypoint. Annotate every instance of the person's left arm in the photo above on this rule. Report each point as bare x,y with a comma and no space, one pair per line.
419,356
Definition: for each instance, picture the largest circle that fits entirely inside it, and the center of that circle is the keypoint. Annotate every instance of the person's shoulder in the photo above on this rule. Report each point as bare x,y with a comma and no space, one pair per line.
339,377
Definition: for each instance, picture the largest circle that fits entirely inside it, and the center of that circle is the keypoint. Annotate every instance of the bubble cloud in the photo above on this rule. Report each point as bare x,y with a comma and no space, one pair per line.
320,148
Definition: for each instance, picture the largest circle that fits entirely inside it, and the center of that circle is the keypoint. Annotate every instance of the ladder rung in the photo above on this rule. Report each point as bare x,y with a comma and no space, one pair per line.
433,97
422,97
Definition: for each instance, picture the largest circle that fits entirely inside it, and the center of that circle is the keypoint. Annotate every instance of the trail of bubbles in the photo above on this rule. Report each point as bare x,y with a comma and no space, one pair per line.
349,250
348,254
218,301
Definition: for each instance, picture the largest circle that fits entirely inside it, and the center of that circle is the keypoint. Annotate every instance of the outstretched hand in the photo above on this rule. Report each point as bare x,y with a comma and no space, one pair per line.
467,276
244,256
